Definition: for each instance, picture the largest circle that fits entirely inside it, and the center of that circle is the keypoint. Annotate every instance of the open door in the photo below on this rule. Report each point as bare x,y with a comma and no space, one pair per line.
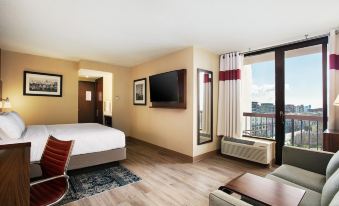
99,100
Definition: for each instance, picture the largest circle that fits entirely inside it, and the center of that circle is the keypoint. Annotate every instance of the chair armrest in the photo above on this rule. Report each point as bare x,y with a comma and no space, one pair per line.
220,198
311,160
49,179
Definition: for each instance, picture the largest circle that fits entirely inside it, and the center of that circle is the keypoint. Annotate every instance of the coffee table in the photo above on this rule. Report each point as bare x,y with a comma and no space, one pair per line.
265,191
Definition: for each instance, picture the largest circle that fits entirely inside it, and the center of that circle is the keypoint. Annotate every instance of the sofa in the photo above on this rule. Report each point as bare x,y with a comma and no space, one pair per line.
316,172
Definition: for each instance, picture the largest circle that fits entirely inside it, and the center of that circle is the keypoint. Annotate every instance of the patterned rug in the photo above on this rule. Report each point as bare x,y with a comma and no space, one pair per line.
89,181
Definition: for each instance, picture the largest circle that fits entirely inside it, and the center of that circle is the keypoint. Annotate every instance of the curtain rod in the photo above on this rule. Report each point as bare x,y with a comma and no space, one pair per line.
286,44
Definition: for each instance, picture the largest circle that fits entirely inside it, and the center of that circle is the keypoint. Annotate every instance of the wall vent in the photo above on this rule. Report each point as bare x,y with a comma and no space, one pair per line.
262,151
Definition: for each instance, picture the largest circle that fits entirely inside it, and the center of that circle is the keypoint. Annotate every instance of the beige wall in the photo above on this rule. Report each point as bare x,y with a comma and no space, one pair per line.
39,109
121,93
204,59
175,129
169,128
56,110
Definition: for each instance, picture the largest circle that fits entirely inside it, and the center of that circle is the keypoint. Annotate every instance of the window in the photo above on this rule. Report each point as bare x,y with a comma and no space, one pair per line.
285,94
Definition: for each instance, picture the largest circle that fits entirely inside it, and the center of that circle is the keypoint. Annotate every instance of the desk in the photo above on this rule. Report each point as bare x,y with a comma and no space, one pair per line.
14,174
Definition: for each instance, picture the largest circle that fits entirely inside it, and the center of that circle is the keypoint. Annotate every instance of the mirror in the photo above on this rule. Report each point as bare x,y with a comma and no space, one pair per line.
205,106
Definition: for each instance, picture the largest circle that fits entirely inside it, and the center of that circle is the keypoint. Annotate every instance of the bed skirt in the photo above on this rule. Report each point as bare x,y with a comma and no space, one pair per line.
86,160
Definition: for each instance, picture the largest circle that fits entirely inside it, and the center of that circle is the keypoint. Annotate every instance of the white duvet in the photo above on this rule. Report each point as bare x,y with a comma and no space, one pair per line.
88,138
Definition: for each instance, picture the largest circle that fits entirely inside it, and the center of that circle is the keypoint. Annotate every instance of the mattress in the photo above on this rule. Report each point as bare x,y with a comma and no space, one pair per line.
88,138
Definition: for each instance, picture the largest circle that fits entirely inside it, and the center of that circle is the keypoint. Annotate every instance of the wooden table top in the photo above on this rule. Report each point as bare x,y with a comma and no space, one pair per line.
265,191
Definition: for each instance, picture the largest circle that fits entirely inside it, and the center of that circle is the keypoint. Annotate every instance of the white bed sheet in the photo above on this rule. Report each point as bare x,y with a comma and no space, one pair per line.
89,138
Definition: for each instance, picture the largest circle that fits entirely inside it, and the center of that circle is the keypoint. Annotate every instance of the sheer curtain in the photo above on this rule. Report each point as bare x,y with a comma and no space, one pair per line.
229,102
333,77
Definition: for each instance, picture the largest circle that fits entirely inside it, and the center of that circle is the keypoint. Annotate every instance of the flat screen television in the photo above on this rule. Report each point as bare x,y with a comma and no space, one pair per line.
165,87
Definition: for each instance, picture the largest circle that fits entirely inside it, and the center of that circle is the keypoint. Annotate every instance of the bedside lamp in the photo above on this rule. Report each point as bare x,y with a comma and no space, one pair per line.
5,103
336,101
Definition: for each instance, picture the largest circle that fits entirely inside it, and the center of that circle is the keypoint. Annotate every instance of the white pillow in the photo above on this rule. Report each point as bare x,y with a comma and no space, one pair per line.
19,120
9,127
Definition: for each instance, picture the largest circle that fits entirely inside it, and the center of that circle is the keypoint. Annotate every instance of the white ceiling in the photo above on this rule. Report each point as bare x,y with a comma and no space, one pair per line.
130,32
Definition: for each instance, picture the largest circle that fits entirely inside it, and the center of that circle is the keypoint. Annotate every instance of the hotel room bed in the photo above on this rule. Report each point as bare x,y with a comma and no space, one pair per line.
89,138
94,143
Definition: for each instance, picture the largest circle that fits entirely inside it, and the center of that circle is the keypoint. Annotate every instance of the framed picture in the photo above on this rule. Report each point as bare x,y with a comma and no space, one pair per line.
139,92
42,84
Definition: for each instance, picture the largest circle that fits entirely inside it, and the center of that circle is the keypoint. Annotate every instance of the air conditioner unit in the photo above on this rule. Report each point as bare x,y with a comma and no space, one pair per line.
256,150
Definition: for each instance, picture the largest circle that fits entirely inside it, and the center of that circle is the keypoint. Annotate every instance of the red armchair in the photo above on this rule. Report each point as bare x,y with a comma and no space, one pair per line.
54,185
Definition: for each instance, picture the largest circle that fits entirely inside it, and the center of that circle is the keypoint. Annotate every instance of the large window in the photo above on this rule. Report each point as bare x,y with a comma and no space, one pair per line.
260,87
303,97
285,94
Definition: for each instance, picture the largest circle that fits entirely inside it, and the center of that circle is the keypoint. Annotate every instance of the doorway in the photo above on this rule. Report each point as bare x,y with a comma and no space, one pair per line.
95,97
86,102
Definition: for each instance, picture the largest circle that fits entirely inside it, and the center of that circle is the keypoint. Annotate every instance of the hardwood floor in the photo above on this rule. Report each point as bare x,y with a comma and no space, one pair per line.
168,180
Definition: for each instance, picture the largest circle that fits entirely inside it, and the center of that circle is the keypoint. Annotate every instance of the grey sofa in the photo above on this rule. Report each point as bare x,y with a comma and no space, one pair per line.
316,172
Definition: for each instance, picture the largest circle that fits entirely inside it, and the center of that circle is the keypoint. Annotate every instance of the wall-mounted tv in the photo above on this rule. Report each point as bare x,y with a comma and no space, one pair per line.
164,87
168,89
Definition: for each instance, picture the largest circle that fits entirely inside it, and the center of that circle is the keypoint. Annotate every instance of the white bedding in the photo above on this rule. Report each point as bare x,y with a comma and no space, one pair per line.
89,138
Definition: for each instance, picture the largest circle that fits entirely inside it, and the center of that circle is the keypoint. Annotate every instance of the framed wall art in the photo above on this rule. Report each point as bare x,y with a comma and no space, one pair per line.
42,84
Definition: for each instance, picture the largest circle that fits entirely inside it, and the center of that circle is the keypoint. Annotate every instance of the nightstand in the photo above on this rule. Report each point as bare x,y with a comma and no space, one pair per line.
108,120
331,141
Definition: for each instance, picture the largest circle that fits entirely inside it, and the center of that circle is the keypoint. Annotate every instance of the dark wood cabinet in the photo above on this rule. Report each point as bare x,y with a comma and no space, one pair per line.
331,141
108,120
14,174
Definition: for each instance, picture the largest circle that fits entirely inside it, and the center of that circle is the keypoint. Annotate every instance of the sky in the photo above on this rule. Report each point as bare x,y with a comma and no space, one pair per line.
303,81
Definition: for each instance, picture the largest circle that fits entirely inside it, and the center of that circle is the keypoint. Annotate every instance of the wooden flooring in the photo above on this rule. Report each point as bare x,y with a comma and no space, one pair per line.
167,180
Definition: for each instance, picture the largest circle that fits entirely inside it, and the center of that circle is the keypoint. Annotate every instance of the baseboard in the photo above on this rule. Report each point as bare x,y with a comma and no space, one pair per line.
179,155
206,155
162,150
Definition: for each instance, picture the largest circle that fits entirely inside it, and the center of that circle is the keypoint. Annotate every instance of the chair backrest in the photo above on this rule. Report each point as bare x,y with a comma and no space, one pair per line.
55,158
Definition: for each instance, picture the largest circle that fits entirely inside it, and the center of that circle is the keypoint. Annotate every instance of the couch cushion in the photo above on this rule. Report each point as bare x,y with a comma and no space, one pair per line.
332,165
331,187
335,200
310,180
220,198
311,198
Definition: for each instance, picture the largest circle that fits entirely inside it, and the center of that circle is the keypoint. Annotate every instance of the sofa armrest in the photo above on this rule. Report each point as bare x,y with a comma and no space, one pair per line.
311,160
220,198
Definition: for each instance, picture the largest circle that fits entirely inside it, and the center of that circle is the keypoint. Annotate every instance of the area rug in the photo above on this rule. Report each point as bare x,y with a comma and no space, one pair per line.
93,180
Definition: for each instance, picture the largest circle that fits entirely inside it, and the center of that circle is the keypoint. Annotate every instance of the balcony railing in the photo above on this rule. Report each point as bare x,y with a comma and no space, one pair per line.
300,130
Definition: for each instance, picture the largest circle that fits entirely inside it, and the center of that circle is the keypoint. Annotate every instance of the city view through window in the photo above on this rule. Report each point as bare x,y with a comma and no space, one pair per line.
303,100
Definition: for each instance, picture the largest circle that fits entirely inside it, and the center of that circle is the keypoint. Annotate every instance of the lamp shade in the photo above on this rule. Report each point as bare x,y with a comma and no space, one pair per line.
336,101
5,104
